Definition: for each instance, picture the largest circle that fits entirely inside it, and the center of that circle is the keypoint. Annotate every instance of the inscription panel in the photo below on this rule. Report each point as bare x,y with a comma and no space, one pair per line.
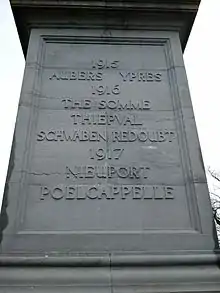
105,145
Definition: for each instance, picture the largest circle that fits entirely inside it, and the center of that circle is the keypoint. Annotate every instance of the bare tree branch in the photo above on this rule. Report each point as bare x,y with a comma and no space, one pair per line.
215,199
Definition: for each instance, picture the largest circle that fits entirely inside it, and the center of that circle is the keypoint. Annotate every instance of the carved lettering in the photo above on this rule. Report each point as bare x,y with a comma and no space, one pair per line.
105,64
106,90
74,136
144,136
120,122
131,76
77,75
110,192
105,119
92,171
85,104
101,154
76,104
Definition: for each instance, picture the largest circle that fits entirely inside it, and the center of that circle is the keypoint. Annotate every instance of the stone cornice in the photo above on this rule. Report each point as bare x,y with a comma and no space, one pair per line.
150,6
194,273
176,15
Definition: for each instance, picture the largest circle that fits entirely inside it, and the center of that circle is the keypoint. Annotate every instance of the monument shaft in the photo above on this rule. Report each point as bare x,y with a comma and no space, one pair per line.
109,148
106,179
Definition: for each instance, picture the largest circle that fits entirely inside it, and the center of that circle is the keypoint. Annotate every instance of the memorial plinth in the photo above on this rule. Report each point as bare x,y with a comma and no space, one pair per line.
106,189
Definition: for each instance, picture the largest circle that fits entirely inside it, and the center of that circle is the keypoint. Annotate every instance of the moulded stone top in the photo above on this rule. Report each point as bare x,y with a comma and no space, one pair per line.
176,15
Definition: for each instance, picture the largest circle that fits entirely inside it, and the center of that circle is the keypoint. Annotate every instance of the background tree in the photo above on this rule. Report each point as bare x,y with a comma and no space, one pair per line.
215,197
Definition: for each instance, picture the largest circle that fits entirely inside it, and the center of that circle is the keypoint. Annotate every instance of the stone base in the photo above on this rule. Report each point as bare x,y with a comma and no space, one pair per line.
107,274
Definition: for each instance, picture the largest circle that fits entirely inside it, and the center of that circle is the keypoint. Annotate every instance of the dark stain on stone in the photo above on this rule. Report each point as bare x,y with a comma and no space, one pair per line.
4,216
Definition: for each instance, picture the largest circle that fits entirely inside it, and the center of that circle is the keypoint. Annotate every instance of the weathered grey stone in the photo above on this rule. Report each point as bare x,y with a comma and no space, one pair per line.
146,189
106,189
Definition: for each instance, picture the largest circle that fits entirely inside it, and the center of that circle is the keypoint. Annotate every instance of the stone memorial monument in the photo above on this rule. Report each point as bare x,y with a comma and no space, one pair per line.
106,190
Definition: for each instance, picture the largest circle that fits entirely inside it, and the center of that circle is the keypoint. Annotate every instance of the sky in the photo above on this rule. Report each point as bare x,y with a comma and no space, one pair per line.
202,60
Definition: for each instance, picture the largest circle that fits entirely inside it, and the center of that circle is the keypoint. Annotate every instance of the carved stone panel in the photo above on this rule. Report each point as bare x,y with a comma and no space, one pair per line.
106,156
